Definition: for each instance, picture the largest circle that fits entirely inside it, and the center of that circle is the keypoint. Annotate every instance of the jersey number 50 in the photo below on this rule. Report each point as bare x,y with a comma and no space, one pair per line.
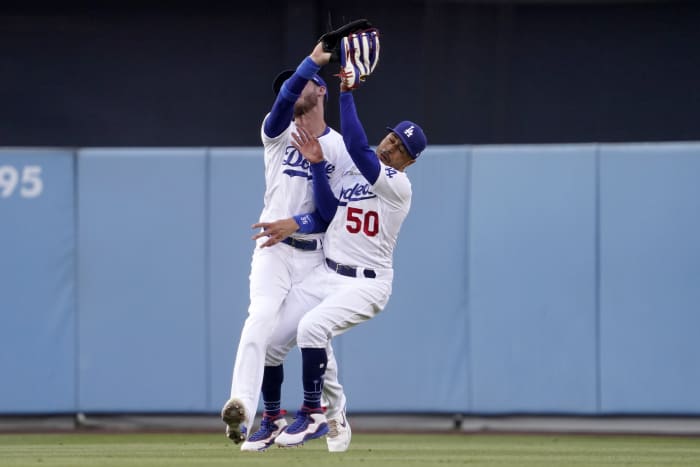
368,223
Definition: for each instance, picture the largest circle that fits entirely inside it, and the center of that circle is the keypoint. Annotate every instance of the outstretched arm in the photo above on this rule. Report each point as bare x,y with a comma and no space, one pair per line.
356,140
282,111
280,229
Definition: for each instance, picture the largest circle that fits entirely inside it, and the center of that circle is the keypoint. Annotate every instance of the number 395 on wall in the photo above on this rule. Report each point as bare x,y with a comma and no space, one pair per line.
25,182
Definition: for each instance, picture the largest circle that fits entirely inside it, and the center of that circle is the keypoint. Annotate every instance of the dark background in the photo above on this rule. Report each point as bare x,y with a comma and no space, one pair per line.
198,73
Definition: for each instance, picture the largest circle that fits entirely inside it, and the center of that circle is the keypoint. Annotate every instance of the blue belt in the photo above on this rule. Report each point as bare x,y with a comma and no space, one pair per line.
349,271
300,244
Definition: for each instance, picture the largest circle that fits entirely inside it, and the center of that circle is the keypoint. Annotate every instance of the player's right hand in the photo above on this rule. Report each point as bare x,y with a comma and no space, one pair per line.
276,231
307,145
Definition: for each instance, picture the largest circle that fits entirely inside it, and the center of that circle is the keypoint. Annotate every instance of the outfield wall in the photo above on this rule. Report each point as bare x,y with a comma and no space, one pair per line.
551,279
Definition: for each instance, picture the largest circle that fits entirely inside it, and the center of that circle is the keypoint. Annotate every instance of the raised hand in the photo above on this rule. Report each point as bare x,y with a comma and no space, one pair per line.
307,145
320,56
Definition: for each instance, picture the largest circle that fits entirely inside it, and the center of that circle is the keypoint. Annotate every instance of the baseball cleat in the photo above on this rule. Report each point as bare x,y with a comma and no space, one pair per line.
270,428
233,415
339,433
308,424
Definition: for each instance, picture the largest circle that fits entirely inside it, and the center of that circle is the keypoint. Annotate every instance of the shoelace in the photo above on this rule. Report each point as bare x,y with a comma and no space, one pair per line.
267,427
332,428
301,421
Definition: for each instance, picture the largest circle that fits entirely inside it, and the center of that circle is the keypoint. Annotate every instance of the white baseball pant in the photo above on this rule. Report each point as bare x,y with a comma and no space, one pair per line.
274,272
324,305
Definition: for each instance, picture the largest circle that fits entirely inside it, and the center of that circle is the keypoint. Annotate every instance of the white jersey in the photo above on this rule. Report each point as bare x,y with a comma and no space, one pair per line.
289,190
364,230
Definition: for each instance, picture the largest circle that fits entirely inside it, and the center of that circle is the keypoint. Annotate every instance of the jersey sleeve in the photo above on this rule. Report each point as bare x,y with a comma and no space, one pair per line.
326,202
311,222
393,186
355,139
282,111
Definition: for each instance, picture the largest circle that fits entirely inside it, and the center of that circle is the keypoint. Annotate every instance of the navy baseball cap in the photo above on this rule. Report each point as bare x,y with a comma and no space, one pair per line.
412,136
284,76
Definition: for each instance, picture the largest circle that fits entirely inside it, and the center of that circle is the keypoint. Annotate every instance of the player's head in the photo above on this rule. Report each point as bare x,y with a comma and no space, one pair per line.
402,145
314,93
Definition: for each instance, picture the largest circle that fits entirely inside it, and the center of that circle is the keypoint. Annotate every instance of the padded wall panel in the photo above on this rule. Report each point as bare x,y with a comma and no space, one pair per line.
650,278
142,308
236,188
37,281
532,280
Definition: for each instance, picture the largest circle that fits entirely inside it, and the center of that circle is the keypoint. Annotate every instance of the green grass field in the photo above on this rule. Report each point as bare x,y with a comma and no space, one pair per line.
367,450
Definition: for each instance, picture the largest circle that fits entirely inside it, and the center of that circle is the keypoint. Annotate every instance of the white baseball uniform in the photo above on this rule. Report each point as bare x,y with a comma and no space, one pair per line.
276,269
359,243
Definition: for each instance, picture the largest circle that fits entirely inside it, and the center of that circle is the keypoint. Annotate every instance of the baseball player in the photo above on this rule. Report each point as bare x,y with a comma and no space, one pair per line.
275,270
354,282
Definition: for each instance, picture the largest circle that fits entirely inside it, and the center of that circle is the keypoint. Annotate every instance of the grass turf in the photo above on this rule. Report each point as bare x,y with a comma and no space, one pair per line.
367,450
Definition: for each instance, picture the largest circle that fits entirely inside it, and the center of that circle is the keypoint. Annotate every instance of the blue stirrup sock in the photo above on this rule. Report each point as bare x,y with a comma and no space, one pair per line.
272,389
313,368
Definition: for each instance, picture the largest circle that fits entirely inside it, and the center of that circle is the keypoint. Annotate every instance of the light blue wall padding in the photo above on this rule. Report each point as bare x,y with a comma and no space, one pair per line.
141,274
552,279
37,283
650,278
235,196
415,353
532,279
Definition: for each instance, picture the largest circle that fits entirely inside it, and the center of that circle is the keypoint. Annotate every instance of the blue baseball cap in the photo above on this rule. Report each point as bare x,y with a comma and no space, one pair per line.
412,136
284,76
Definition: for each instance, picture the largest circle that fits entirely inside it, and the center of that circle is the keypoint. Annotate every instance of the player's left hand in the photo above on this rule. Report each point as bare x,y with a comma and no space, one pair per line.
276,231
307,145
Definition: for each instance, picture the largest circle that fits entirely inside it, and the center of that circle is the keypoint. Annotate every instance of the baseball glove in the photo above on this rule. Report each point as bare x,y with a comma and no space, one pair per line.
359,55
331,39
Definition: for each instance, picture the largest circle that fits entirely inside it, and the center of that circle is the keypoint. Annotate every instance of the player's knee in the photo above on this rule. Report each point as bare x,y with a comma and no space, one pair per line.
311,333
275,355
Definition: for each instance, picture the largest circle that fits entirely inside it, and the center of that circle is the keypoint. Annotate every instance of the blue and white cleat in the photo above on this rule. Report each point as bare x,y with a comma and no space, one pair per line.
270,428
339,433
308,424
233,415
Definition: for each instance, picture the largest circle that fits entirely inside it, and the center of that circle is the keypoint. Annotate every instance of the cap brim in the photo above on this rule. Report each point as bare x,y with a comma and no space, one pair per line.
280,79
